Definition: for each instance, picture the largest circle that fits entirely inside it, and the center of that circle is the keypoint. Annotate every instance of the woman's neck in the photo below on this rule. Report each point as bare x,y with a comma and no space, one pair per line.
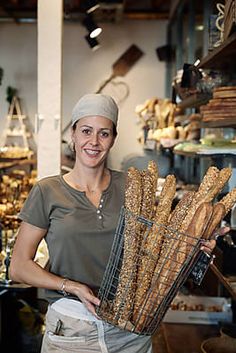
90,181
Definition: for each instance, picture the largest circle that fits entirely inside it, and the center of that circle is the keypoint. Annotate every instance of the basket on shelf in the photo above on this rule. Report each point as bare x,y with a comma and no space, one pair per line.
139,282
229,18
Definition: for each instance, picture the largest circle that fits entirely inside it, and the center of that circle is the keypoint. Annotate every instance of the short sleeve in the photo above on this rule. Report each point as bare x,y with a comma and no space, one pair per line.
34,209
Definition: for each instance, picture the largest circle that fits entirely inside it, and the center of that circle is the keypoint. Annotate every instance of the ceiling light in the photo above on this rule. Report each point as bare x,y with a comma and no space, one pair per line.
93,29
93,43
90,5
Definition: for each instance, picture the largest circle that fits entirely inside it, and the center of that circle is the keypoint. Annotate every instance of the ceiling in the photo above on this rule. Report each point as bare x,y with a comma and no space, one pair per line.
109,10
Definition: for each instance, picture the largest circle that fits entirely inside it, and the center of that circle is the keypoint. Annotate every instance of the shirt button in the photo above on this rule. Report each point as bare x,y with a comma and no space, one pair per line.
98,211
100,206
102,200
100,217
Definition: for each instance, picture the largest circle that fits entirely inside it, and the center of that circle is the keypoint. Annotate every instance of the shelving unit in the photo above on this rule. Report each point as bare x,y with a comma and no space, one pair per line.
222,57
219,123
194,101
205,154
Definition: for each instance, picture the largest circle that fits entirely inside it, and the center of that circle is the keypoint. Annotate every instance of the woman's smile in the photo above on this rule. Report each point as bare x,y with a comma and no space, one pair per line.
91,152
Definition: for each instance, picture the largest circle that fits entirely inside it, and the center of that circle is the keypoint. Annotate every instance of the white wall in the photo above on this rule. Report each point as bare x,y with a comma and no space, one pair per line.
84,71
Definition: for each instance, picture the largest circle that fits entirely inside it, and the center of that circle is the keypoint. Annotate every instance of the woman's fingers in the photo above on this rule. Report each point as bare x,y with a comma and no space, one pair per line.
208,246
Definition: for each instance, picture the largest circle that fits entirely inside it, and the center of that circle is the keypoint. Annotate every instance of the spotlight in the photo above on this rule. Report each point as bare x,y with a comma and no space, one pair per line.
93,29
90,5
93,43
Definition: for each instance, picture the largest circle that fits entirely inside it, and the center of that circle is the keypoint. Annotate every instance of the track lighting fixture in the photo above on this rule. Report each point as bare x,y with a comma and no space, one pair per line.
93,29
90,5
93,43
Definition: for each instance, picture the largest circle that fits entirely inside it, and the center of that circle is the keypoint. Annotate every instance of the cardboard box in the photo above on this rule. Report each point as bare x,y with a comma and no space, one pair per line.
199,310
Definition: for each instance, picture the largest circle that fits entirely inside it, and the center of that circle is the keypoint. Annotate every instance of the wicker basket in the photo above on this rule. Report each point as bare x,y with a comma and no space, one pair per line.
165,272
229,18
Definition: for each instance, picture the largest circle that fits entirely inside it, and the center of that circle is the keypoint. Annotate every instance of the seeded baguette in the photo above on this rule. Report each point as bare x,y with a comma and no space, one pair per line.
179,213
229,200
171,239
149,185
152,247
223,177
126,288
170,242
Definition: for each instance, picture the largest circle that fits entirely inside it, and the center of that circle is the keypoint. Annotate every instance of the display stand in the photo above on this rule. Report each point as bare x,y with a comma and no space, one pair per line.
15,127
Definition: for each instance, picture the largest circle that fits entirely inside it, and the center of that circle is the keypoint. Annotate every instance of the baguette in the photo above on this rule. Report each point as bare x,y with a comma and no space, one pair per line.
152,246
163,280
178,214
229,200
204,193
198,225
223,177
126,288
149,186
218,214
212,183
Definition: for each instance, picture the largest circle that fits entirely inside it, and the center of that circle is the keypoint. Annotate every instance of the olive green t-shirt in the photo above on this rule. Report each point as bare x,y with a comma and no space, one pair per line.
79,235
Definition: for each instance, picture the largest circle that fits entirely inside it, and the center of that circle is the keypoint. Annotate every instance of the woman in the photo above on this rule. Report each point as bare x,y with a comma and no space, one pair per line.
77,215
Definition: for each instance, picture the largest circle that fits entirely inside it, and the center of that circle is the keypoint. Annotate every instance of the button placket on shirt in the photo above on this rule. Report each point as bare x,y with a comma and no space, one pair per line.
100,208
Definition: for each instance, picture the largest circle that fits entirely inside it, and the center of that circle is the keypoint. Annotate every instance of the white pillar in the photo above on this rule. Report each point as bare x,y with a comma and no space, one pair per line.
48,119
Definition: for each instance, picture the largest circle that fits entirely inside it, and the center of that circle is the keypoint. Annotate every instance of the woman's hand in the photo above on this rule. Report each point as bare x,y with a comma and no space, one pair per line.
84,293
210,244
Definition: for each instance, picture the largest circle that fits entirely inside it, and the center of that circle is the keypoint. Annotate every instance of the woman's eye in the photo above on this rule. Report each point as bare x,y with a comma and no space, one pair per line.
104,134
86,131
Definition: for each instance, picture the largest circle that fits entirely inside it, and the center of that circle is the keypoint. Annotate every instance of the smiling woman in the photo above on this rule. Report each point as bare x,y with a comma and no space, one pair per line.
77,214
92,138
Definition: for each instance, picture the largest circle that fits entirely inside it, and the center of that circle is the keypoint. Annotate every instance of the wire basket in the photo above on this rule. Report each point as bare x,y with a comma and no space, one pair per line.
147,266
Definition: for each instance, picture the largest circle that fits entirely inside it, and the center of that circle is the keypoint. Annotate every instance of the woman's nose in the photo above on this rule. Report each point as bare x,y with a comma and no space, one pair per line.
94,139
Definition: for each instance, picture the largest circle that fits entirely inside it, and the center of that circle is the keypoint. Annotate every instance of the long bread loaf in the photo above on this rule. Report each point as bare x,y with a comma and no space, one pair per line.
220,210
126,288
217,215
162,281
152,246
229,200
223,177
202,194
212,183
149,185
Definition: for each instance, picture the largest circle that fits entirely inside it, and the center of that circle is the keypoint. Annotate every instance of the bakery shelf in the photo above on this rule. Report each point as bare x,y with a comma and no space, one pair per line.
194,101
206,153
16,162
219,123
222,57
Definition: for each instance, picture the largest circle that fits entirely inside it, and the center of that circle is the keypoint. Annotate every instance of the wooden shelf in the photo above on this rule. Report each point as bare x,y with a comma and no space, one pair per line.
205,154
17,162
219,123
222,57
194,101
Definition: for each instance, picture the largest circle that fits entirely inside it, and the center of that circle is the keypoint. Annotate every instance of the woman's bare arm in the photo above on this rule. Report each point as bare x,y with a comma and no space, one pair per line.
24,269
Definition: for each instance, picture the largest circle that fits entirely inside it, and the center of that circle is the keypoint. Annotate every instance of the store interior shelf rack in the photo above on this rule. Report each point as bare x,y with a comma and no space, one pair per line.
222,57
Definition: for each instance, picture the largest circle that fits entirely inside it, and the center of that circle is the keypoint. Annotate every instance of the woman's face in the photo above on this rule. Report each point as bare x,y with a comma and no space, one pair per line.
93,138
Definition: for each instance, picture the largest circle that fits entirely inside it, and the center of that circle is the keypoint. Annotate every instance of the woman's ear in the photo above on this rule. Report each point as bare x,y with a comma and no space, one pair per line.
72,134
113,141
